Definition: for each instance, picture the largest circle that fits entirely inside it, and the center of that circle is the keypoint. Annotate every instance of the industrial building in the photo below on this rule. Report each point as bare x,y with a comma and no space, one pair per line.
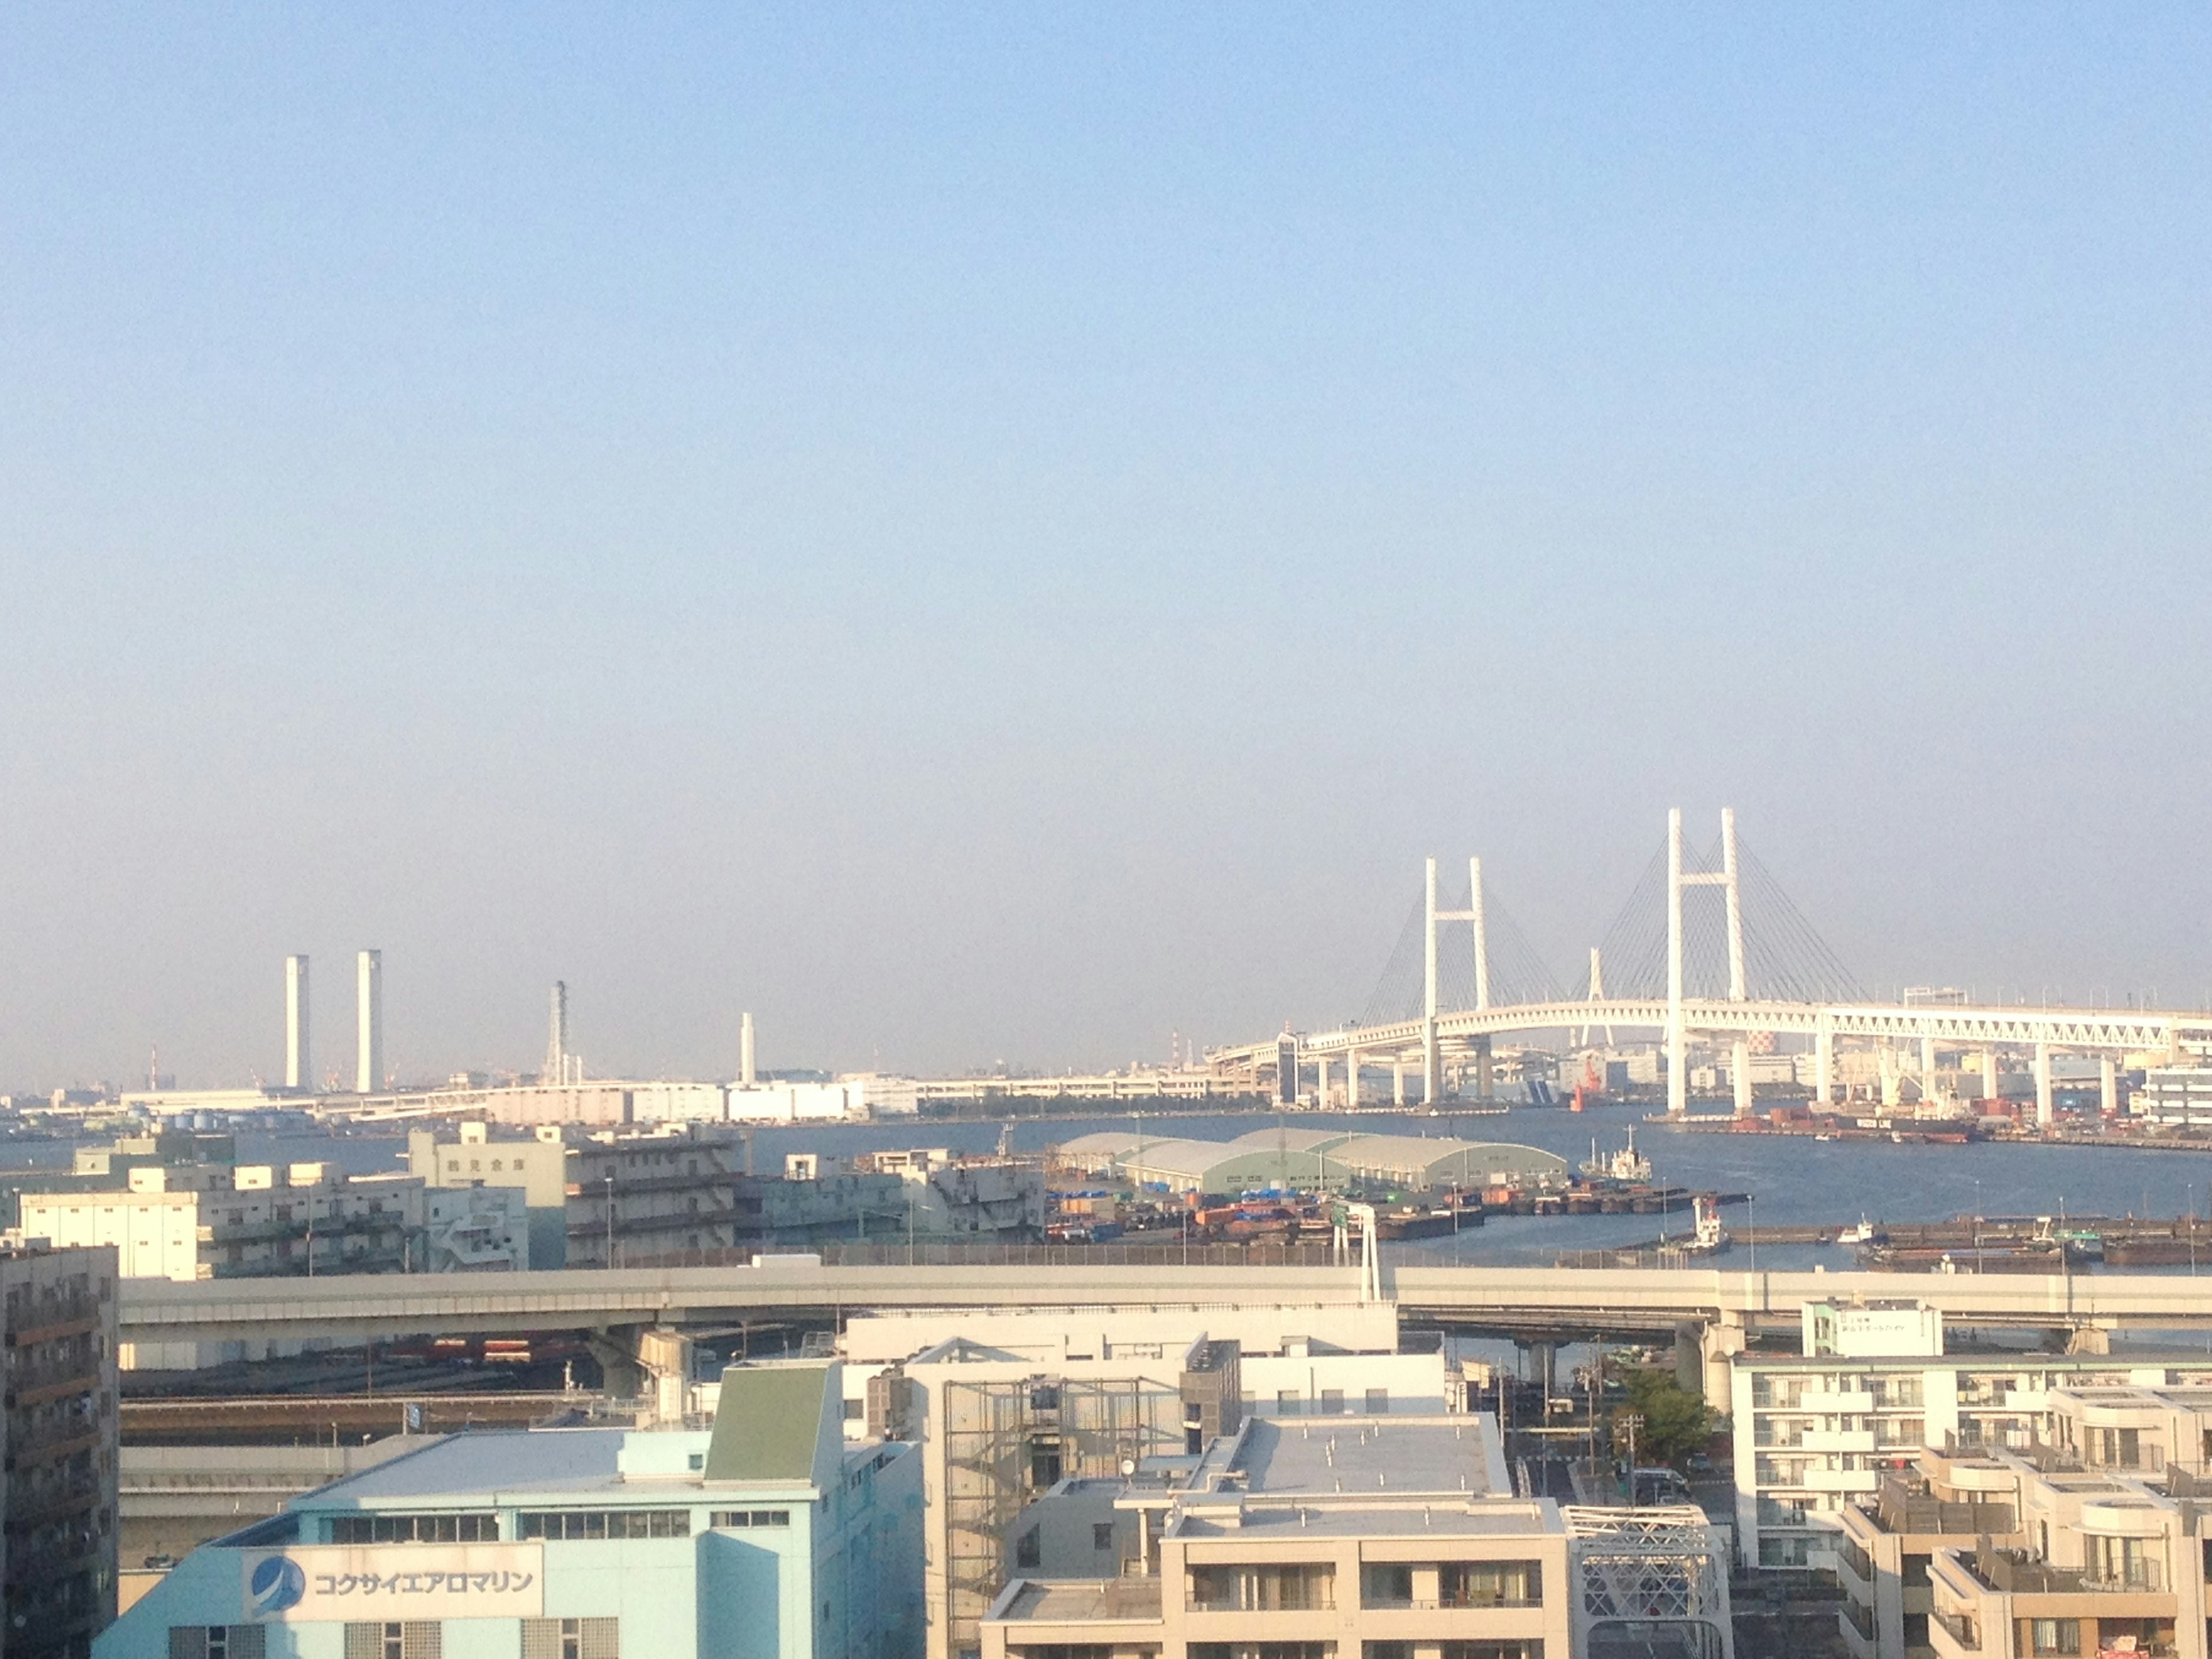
1309,1160
600,1196
766,1537
57,1450
219,1221
1365,1537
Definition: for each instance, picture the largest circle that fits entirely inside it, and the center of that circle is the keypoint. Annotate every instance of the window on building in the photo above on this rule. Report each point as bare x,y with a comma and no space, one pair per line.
1332,1402
415,1639
2055,1636
1378,1402
1292,1586
750,1518
217,1641
571,1639
1262,1650
1286,1402
1491,1583
1102,1535
413,1529
596,1524
1029,1549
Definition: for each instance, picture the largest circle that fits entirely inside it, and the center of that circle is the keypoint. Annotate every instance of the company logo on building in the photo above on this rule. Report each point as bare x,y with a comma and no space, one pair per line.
277,1585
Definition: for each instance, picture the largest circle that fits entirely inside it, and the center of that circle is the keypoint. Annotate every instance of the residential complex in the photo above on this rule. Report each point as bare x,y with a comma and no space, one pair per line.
1354,1538
2093,1542
1006,1406
1817,1431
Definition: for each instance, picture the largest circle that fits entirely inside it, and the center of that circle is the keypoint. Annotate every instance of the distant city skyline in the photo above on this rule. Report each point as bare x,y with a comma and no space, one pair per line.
995,536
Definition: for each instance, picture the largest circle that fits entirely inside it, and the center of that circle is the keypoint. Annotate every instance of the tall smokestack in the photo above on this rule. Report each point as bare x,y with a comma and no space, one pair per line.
745,1050
556,1039
369,1006
299,1062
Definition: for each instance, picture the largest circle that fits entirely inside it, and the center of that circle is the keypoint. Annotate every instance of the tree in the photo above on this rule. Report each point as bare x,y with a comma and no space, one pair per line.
1675,1422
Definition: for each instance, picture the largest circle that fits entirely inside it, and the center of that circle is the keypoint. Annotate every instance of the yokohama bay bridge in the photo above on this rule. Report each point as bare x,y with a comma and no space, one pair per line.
1742,967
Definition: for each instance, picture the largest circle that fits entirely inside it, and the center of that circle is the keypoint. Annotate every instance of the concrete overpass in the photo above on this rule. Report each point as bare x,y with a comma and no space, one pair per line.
1532,1300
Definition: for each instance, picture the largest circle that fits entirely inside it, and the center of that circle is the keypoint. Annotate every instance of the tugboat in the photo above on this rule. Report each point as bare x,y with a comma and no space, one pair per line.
1710,1238
1864,1233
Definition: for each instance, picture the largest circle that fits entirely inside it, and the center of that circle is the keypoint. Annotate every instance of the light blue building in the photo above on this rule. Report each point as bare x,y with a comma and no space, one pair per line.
767,1538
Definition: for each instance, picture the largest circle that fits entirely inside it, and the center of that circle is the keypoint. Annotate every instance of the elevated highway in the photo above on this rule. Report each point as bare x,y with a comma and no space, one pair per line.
1502,1300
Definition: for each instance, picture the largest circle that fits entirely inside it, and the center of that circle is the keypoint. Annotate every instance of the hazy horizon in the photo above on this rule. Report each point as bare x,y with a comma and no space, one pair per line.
999,536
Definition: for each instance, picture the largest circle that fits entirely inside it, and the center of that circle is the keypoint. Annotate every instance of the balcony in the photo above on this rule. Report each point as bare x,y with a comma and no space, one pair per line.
1854,1404
1959,1631
1860,1480
1839,1440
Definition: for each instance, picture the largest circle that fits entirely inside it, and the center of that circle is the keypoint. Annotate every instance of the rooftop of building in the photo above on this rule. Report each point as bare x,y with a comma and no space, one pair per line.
1382,1462
483,1464
1334,1518
769,1427
1082,1601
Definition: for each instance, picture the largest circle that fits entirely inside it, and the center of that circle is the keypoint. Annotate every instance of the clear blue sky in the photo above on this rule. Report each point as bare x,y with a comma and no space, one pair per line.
997,534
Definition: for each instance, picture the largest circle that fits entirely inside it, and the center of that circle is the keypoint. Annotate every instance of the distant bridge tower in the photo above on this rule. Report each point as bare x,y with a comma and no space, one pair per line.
1677,1070
1432,1061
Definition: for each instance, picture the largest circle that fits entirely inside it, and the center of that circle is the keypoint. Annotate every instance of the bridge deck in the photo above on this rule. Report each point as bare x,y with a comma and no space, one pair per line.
154,1310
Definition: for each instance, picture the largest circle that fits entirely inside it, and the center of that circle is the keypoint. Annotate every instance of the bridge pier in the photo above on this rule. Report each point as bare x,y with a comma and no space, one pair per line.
2045,1113
1321,1082
1351,1081
1739,1076
1823,1058
2108,1086
1716,1342
1485,1073
1989,1075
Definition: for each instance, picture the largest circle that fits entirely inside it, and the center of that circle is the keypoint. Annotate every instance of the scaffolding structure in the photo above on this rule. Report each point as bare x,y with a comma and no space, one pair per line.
1007,1443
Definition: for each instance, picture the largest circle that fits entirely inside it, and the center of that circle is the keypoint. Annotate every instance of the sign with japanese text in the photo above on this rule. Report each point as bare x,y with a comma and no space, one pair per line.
368,1582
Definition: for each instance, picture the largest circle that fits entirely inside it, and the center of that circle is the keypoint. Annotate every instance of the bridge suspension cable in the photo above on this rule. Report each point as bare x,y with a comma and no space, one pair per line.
1516,971
1784,957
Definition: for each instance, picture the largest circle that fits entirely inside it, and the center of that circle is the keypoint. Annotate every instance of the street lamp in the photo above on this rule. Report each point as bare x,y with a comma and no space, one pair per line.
610,1218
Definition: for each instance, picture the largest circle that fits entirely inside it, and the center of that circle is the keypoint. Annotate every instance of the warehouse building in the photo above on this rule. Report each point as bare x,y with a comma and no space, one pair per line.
1310,1160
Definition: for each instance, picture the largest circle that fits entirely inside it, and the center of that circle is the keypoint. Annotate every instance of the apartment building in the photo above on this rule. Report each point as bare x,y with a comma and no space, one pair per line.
766,1537
1356,1538
1821,1430
1006,1404
57,1450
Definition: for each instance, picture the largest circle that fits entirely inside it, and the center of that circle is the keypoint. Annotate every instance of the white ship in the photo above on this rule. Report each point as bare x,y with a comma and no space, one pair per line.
1628,1166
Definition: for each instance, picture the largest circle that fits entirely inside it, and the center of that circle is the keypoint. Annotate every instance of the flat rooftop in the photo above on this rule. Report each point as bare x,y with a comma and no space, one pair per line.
482,1465
1086,1601
1335,1519
1448,1457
